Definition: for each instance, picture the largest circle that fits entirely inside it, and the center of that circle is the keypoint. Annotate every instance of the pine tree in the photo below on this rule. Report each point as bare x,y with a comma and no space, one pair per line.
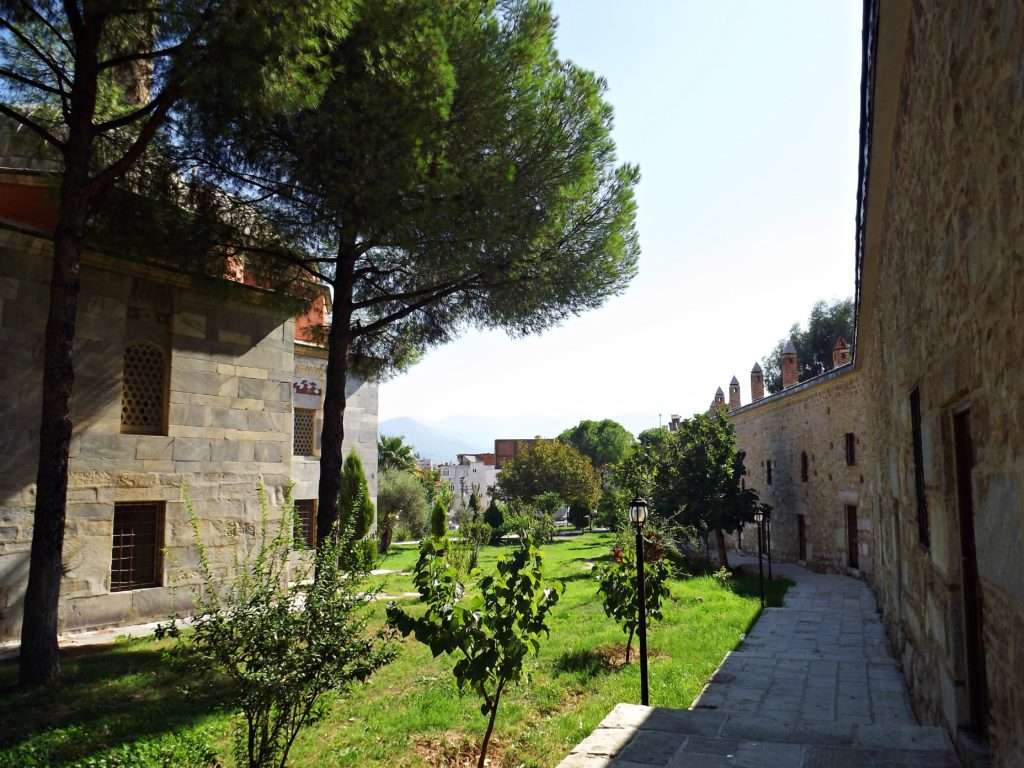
438,519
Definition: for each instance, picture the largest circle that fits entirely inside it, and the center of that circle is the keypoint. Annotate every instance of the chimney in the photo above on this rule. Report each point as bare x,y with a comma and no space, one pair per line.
756,383
840,353
790,365
734,394
718,403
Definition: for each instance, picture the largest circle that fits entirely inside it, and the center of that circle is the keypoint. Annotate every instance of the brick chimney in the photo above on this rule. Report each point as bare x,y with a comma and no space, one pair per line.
734,394
790,365
756,383
840,353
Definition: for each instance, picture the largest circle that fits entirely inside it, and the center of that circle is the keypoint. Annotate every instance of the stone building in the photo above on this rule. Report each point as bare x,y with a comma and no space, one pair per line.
908,462
182,385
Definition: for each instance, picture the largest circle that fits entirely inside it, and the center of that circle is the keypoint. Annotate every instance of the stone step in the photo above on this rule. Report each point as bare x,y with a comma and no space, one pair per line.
632,736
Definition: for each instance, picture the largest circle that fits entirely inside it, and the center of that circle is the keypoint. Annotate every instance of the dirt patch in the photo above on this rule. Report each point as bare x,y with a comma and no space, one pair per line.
455,749
614,656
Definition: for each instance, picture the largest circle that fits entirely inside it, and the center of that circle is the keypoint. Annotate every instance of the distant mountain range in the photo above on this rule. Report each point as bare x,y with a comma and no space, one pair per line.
430,442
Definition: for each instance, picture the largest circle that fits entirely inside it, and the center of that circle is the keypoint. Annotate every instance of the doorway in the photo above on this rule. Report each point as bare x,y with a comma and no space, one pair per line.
974,644
851,536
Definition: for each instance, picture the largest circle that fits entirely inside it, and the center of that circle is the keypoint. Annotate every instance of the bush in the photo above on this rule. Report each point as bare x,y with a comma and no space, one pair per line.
401,507
532,526
282,647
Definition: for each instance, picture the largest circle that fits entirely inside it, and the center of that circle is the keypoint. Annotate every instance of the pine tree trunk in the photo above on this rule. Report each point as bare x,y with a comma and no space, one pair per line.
723,554
333,434
39,658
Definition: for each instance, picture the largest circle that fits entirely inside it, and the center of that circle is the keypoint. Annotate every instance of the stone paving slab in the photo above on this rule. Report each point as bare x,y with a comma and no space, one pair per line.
811,686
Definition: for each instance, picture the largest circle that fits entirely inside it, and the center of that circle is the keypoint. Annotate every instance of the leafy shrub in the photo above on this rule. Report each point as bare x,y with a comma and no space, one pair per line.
282,644
491,634
723,577
617,585
531,525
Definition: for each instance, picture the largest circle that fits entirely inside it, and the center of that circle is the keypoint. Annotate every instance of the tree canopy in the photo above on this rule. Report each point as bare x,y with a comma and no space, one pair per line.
550,467
827,322
455,172
604,442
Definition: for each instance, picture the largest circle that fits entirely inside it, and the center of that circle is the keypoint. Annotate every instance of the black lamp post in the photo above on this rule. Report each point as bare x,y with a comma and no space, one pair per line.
768,540
638,516
759,520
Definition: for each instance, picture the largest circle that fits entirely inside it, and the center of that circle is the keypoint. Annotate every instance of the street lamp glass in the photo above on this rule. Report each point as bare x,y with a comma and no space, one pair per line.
638,511
758,515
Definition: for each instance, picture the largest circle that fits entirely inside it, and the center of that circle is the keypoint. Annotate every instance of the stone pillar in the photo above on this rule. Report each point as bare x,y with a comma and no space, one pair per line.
790,365
756,383
734,394
840,353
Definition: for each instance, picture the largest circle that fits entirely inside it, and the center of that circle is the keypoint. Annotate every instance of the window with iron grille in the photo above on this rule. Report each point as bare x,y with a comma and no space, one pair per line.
138,539
851,449
768,466
923,532
803,466
304,534
145,390
304,431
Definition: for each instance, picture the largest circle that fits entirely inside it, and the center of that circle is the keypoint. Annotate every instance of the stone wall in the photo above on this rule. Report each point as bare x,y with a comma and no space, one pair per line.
943,296
811,418
228,426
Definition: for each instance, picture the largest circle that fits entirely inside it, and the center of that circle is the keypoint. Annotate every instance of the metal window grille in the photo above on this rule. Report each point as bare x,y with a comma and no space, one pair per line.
769,467
304,534
304,431
134,558
142,401
803,466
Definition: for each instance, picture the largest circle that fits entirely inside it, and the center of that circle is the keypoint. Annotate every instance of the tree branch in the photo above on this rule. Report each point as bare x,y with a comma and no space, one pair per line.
10,73
131,117
115,170
32,126
27,42
128,58
48,24
404,312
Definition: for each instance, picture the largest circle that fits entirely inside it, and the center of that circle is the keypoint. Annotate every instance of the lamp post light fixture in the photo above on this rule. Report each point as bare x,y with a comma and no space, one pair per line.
759,519
638,516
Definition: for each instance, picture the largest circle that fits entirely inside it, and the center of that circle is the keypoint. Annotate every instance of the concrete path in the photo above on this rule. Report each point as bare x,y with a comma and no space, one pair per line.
812,686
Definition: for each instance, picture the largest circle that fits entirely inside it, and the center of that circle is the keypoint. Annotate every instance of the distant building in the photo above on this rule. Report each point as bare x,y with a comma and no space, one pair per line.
470,472
507,449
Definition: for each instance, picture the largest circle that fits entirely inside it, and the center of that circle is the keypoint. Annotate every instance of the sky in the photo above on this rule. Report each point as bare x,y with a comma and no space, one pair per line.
743,118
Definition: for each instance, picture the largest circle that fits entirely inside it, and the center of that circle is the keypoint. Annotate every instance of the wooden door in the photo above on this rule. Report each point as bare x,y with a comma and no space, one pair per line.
851,536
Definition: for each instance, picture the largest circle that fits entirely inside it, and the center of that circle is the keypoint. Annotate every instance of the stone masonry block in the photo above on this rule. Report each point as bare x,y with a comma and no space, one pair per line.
191,449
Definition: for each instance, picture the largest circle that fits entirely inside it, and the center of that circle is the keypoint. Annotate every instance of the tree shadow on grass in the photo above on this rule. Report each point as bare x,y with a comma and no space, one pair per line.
109,696
586,662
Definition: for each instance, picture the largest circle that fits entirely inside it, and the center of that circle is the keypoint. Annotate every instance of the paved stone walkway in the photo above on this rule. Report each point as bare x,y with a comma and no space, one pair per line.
812,686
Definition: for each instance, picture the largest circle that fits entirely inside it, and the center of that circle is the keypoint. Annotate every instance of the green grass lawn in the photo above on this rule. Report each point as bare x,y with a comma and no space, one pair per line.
126,700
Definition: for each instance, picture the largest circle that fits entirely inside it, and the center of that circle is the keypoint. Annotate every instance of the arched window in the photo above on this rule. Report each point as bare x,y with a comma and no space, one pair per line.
145,390
803,466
